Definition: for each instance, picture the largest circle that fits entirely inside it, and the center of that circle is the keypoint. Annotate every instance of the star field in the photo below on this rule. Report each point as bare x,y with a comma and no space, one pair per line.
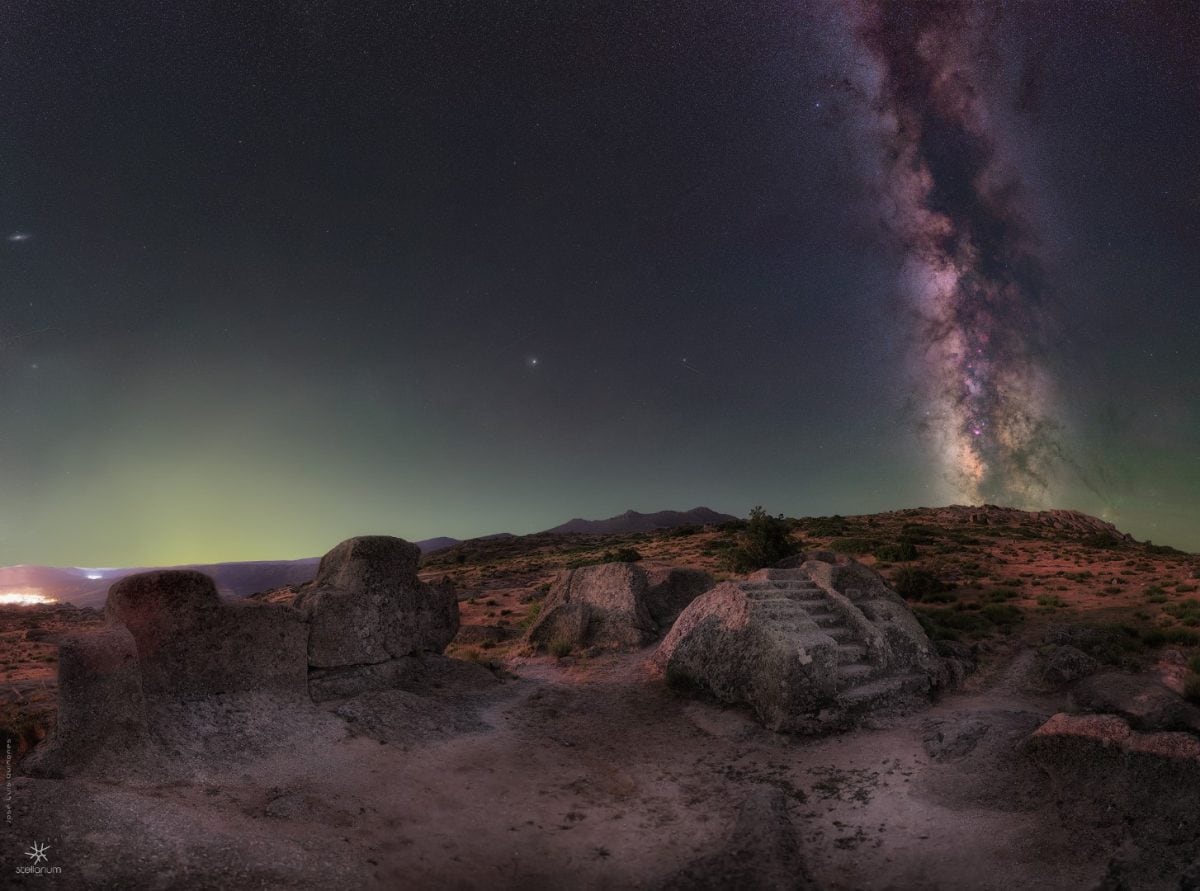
278,273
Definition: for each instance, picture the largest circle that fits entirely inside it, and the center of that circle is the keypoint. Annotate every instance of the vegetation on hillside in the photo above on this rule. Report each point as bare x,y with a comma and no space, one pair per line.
764,542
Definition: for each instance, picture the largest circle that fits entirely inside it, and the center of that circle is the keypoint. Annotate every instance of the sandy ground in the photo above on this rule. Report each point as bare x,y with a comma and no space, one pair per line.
581,775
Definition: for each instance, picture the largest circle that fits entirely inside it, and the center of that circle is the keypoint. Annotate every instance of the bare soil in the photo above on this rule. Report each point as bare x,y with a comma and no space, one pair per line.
582,774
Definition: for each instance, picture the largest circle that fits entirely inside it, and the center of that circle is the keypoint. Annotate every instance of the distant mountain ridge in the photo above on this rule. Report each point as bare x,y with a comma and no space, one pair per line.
89,587
632,521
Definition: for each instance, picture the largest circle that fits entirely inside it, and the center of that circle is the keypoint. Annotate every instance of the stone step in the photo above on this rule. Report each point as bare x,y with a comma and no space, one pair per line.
825,618
812,605
839,633
865,694
771,593
778,586
768,596
854,673
851,653
785,573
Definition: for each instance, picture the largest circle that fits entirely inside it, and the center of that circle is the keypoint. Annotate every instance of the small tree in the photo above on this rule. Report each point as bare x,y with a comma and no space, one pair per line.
765,541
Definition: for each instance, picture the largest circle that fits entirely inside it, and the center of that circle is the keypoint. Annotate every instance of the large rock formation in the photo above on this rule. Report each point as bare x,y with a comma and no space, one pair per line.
366,605
1117,787
172,657
190,643
181,677
367,613
613,605
809,648
1142,701
602,605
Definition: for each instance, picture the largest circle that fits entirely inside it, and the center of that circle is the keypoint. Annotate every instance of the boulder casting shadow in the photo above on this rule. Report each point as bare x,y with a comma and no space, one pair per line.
179,680
812,648
614,605
173,660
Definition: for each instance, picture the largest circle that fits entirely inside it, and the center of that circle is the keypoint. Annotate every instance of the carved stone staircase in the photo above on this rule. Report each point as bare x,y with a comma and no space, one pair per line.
862,676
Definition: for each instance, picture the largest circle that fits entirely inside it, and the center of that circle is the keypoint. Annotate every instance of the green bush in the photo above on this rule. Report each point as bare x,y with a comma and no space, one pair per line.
950,624
1002,614
560,647
765,541
853,545
824,527
900,552
622,555
535,610
913,583
1186,611
1157,637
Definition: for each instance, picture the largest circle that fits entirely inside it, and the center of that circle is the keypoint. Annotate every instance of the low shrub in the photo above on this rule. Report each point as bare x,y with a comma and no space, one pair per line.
764,542
535,610
899,552
1002,614
1186,611
915,583
1157,637
622,555
853,545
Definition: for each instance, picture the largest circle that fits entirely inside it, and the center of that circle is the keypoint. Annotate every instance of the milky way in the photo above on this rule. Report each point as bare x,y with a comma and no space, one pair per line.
971,285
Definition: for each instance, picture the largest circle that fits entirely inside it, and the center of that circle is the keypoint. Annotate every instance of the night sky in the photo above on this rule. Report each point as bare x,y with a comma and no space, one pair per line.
274,274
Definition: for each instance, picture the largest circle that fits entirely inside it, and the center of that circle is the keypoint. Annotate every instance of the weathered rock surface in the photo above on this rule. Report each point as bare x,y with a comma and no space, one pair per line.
191,644
980,759
1142,701
1190,880
602,605
101,707
762,852
1065,665
810,648
613,605
366,605
1115,784
176,671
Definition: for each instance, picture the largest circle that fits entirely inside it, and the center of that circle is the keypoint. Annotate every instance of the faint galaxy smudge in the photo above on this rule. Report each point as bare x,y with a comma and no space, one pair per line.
970,280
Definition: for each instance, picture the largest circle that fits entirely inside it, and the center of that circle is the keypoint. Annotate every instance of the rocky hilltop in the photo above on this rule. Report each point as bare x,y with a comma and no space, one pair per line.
632,521
906,701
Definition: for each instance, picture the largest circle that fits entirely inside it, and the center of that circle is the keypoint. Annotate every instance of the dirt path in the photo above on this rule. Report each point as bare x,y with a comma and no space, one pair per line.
590,776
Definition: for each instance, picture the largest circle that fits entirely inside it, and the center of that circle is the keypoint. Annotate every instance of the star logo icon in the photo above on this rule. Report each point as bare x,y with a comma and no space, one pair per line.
38,853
